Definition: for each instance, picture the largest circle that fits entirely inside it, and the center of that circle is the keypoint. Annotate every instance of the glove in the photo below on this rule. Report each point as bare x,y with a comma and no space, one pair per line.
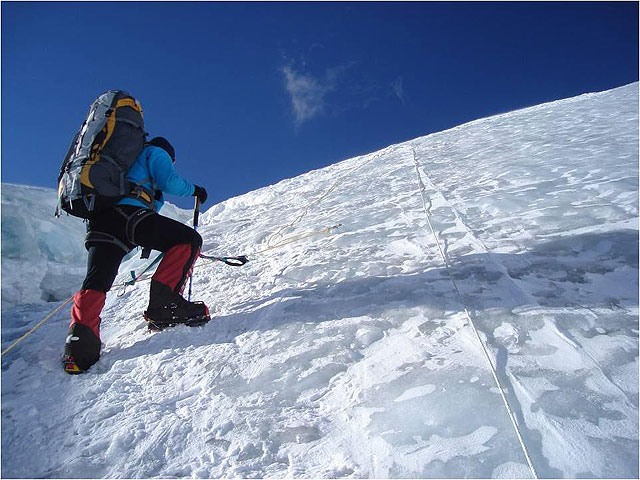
200,192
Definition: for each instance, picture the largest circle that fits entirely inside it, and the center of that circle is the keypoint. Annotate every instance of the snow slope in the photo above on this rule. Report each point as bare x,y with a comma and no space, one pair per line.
352,353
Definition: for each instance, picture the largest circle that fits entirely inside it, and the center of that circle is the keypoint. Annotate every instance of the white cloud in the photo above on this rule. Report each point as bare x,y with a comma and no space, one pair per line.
338,89
307,93
398,89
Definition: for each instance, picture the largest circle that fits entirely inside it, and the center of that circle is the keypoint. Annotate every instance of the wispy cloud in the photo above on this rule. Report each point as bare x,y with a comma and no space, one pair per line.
397,87
336,90
307,92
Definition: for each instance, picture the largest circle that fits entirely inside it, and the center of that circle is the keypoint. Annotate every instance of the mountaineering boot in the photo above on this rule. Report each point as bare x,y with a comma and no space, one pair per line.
167,309
82,346
81,349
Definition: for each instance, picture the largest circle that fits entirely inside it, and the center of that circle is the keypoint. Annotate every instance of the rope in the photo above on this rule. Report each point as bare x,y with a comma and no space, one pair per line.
296,238
471,322
313,203
139,277
35,327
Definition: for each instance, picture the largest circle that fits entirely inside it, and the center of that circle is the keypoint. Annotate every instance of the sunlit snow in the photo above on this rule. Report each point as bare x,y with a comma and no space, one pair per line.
350,353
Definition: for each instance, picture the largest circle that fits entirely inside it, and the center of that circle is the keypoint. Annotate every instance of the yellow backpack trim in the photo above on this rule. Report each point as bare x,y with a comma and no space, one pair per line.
84,174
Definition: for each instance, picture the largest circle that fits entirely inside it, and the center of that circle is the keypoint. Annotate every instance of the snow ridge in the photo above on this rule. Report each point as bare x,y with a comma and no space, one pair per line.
349,353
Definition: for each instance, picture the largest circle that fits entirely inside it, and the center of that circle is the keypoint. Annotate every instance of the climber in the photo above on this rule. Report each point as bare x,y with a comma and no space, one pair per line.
114,232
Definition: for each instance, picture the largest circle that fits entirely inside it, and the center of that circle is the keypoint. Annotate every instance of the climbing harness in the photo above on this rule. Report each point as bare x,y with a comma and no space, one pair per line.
100,237
468,315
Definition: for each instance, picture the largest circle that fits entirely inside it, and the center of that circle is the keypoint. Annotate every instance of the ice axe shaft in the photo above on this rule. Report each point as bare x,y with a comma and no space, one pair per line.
196,213
196,216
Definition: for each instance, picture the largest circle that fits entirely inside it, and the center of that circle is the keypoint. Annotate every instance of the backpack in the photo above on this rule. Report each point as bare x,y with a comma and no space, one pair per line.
93,173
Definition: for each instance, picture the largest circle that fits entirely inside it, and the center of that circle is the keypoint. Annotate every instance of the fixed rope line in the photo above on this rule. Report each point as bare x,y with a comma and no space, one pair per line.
295,238
306,209
59,307
35,327
471,322
136,278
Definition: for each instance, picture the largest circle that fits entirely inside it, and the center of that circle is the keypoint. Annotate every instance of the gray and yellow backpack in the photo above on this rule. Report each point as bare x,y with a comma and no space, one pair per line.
93,173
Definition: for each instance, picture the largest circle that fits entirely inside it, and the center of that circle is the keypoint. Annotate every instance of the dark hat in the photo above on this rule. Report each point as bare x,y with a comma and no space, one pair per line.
164,144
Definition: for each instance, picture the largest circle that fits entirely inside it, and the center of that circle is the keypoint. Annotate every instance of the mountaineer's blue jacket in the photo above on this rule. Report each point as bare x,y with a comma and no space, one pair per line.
154,170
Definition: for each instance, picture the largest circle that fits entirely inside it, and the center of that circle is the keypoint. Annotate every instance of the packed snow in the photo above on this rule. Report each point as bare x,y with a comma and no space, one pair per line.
351,351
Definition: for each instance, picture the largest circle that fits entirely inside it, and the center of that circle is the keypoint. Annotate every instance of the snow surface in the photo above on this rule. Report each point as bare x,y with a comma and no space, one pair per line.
350,353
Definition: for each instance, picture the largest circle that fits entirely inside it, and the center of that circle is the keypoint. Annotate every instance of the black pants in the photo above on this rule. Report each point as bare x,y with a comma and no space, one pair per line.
135,226
110,236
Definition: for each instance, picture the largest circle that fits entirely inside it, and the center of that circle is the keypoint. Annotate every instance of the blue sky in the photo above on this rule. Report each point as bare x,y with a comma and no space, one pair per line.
251,93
